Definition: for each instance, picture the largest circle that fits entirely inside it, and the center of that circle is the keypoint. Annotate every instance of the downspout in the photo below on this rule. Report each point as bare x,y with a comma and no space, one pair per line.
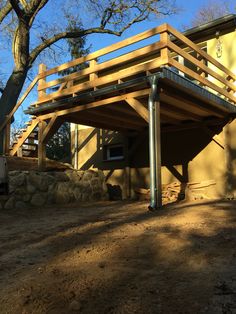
154,145
76,147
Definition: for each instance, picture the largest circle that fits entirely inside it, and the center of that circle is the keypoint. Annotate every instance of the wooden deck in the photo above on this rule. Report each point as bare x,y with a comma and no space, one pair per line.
102,94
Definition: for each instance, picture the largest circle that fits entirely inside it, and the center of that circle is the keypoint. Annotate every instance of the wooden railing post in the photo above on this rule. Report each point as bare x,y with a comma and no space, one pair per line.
41,146
41,93
199,70
93,76
165,53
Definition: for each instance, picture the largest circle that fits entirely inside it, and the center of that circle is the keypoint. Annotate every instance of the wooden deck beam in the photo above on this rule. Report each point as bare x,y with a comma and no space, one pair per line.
41,146
97,123
96,104
139,108
116,121
51,128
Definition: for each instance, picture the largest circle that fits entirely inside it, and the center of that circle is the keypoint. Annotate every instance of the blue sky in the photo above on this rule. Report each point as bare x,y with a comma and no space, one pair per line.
183,18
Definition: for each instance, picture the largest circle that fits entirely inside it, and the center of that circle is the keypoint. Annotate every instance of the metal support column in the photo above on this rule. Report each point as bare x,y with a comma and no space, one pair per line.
154,145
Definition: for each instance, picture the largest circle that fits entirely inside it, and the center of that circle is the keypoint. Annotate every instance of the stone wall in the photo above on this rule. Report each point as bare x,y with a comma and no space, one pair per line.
36,189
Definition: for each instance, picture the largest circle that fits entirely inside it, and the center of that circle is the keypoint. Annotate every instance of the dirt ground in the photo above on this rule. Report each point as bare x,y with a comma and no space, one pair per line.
119,258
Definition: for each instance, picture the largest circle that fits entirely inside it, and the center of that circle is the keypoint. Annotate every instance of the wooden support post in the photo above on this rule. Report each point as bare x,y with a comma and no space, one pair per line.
93,76
41,146
7,136
181,61
165,53
199,70
41,93
19,152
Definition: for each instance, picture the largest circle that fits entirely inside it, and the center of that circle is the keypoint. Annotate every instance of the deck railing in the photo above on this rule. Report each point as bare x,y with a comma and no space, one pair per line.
170,45
201,67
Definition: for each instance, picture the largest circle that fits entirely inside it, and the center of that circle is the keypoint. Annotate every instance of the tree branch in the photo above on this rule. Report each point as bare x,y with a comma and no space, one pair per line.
35,7
5,11
16,8
63,35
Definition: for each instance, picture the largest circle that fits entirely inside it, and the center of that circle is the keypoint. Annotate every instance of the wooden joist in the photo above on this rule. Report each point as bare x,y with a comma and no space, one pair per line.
97,103
138,107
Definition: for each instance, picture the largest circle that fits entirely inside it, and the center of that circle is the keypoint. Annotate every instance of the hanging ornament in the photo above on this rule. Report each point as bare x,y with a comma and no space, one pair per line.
219,47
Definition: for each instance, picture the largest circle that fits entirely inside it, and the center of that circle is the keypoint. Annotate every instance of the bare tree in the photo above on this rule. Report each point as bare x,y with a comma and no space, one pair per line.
210,11
28,39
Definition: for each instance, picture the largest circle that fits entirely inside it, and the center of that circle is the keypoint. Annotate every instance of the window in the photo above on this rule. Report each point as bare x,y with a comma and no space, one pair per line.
114,152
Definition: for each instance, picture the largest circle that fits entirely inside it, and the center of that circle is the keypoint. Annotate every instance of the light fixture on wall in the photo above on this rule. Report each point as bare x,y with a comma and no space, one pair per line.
219,48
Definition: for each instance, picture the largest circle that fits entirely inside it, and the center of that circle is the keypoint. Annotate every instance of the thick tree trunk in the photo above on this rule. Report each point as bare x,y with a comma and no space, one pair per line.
12,90
10,96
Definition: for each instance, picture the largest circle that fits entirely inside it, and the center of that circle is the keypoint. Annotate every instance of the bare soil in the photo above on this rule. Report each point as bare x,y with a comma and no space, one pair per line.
119,258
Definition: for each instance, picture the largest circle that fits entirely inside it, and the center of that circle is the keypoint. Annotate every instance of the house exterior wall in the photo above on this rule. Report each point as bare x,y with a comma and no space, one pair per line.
189,156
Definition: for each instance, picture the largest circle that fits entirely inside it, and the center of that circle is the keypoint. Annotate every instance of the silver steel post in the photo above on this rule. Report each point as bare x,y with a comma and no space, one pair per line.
154,146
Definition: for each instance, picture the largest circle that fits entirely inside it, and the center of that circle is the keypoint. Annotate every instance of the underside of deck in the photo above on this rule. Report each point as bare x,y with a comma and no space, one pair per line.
124,106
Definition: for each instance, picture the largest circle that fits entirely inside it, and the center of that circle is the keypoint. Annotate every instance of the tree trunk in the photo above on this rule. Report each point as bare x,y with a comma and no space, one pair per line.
10,96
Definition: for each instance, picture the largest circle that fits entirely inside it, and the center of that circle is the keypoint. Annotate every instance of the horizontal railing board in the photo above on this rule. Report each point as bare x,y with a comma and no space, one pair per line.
131,56
104,51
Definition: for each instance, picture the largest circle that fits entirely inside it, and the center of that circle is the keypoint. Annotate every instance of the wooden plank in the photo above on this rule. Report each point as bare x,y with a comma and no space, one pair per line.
131,56
62,86
122,108
93,122
95,104
124,116
41,92
139,108
181,92
155,64
114,120
196,48
180,105
41,146
201,79
175,112
198,107
104,51
202,66
51,128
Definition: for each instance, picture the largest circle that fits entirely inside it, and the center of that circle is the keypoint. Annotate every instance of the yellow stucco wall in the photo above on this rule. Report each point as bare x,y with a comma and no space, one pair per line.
228,55
205,157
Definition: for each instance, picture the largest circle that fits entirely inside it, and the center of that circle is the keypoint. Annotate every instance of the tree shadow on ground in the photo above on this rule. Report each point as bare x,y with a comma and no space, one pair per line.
119,258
